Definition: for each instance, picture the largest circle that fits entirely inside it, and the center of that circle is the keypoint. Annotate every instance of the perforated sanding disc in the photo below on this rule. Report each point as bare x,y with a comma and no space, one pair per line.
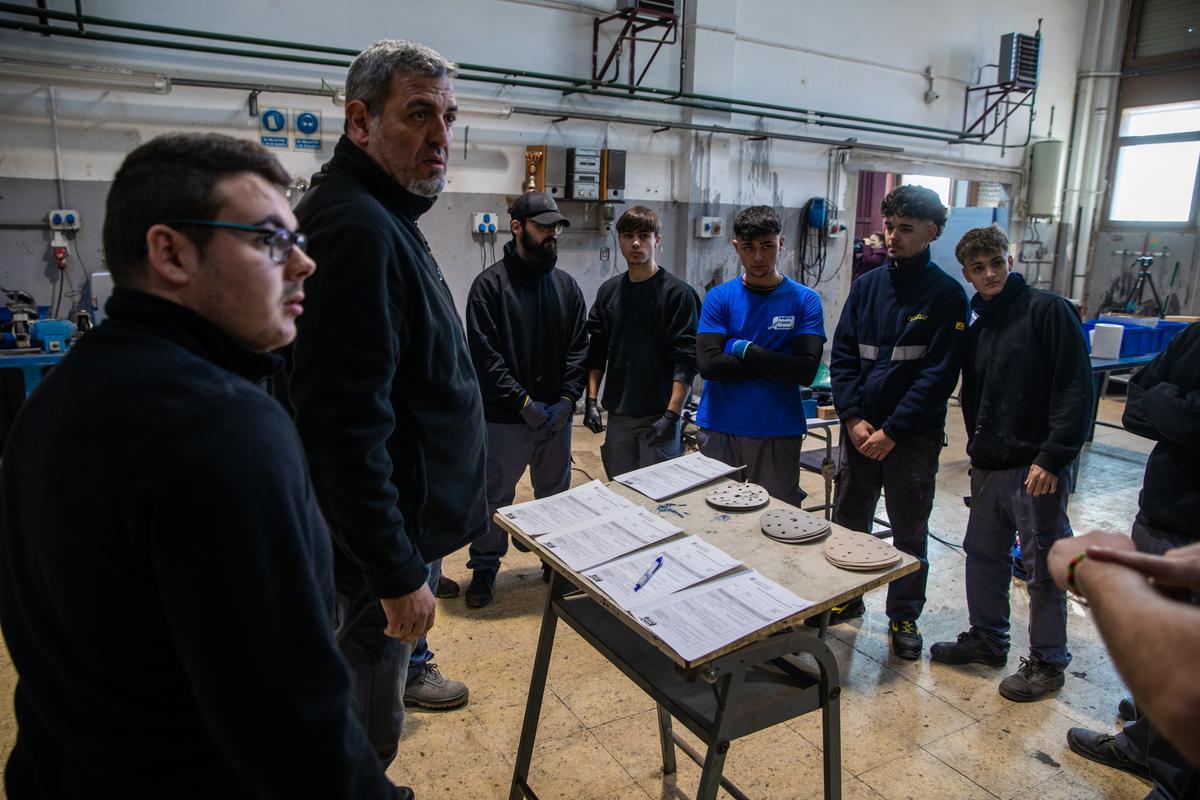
860,553
793,525
738,497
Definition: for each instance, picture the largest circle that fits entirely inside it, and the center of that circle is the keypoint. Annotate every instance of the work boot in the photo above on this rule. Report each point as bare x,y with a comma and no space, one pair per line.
404,793
446,587
1032,681
970,648
479,592
906,639
545,572
433,690
853,609
1127,709
1102,748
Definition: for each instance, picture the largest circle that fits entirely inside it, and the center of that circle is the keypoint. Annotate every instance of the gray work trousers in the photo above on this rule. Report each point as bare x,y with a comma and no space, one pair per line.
511,447
1000,508
1140,741
772,462
627,444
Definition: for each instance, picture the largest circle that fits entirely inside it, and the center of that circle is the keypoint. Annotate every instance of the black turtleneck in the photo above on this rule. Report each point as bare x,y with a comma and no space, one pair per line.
1027,380
382,386
169,610
525,323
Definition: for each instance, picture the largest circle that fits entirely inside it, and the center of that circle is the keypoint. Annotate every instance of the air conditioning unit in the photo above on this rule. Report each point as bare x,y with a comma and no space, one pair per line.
659,6
1019,57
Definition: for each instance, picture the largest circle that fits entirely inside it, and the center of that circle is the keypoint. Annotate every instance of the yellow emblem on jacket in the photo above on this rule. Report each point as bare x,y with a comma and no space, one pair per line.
918,318
960,326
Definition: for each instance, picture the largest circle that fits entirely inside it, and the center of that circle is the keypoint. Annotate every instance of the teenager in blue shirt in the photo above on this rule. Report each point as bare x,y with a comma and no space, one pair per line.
759,340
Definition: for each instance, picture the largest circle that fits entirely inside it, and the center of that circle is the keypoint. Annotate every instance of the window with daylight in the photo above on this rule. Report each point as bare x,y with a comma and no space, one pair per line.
1157,164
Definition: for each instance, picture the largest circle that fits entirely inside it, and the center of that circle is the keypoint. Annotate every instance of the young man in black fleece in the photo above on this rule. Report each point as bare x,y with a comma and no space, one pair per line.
758,341
1163,405
525,322
894,362
382,386
1026,401
642,342
170,615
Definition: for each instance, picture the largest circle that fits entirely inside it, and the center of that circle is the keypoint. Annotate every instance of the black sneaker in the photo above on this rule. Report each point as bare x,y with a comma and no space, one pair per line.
1032,681
853,609
1127,709
1102,748
480,590
446,587
404,793
970,648
906,639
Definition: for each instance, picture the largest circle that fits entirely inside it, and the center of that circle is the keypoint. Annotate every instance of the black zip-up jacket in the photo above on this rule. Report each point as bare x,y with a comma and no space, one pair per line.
642,336
525,323
169,611
1164,405
1027,380
898,347
384,393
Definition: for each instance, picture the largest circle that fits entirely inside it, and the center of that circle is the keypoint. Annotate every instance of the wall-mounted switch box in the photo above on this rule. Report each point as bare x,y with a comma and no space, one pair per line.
63,219
708,227
485,222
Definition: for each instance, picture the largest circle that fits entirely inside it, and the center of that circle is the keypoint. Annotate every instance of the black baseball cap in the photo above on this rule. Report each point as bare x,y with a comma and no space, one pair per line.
539,207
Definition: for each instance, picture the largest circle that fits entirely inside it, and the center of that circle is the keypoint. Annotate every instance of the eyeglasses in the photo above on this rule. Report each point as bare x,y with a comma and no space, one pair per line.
556,227
279,241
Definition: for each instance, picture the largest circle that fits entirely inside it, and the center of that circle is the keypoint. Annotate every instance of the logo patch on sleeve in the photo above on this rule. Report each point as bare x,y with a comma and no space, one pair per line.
960,326
787,323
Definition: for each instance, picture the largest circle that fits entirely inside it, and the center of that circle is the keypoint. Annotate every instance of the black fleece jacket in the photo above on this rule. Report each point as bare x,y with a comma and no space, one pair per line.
169,611
642,336
525,323
1027,380
385,397
1164,405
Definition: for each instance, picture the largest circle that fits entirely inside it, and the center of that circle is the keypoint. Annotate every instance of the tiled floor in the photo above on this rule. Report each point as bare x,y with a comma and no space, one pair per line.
910,729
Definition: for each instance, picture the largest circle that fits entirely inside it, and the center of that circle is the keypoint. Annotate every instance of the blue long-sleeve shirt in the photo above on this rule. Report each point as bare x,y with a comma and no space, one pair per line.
898,347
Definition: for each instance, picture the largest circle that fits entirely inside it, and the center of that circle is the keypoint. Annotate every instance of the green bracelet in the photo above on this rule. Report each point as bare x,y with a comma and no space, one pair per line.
1071,587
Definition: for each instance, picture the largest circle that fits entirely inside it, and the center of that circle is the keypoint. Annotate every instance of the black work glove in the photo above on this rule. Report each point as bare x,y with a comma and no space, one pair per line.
535,414
663,429
591,416
560,414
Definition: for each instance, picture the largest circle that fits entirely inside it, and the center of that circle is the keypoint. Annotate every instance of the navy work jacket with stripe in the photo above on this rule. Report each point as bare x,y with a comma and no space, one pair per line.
898,347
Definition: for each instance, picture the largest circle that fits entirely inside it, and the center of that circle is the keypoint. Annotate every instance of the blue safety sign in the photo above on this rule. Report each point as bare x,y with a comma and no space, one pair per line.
307,126
273,124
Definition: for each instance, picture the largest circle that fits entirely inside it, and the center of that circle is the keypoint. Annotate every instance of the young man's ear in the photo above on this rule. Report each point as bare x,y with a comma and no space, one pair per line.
167,254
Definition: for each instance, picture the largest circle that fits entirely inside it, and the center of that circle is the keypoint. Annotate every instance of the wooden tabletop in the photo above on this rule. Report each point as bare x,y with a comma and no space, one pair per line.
802,568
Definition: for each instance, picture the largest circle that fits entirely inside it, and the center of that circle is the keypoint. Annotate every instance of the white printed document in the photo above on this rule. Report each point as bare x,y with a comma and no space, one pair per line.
586,502
596,541
686,562
660,481
700,620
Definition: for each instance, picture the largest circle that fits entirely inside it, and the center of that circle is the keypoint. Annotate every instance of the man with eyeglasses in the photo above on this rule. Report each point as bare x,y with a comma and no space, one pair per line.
385,397
169,616
642,343
525,321
759,341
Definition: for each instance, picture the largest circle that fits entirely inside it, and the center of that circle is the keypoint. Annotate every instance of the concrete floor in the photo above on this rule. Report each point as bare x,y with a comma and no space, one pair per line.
909,729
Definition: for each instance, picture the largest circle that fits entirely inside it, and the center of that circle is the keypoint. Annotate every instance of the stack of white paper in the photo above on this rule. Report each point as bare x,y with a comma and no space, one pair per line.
703,619
686,562
586,544
539,517
669,478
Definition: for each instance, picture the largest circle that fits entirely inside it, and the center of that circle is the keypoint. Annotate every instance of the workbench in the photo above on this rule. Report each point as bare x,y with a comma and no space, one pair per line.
1102,368
747,686
31,366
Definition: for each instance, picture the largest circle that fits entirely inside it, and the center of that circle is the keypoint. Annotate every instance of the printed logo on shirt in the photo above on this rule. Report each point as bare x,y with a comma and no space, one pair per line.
783,324
960,326
918,318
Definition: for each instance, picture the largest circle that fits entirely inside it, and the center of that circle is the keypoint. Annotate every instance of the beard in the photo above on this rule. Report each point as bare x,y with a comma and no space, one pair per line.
539,253
427,187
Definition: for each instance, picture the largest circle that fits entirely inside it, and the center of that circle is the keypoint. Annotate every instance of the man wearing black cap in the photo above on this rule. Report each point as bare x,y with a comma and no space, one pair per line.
525,325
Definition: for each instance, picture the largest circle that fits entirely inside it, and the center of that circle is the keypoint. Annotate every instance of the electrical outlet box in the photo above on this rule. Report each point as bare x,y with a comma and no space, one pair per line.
708,227
485,222
835,228
63,219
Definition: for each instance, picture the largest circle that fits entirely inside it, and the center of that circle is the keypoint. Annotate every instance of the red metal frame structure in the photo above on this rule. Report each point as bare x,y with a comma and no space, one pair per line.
637,20
1011,95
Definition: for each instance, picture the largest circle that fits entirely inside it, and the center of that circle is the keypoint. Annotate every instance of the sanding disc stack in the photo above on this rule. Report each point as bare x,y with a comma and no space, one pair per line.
860,553
793,526
737,497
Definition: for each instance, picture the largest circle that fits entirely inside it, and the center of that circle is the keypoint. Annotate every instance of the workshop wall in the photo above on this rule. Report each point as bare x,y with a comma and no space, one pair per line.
872,63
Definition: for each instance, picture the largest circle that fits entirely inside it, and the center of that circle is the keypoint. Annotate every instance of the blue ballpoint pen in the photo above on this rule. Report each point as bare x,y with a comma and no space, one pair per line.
648,574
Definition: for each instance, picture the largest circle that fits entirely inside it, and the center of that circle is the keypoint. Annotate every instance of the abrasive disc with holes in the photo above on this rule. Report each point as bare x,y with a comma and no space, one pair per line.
860,553
792,525
738,497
